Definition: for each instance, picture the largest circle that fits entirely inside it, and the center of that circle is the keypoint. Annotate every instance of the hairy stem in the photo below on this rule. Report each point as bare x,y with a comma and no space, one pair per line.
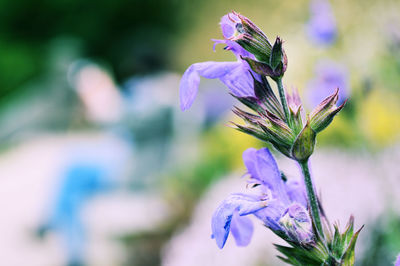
283,100
312,198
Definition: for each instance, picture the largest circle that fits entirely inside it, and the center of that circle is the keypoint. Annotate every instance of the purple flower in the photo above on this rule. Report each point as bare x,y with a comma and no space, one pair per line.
329,75
280,205
397,263
321,27
229,217
237,75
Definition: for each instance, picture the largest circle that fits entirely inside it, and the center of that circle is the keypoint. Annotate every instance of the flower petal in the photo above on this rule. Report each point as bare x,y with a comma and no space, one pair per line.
228,25
242,229
296,192
271,215
190,80
236,49
236,203
262,166
235,75
239,81
188,87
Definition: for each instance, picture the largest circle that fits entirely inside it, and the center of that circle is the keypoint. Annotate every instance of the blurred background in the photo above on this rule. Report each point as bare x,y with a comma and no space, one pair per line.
98,166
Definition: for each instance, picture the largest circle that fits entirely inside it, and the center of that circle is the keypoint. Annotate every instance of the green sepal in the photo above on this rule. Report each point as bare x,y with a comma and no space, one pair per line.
324,113
261,68
250,102
254,47
253,132
297,255
276,54
304,144
297,121
278,130
348,256
264,93
253,39
337,251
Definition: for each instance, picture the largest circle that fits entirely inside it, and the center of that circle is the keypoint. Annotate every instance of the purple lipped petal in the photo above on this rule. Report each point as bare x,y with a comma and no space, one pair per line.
236,49
271,215
241,229
216,42
213,70
228,25
295,191
262,166
397,263
190,80
240,81
236,203
188,87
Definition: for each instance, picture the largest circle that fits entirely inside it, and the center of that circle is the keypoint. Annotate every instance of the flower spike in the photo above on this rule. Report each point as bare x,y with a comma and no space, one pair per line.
287,206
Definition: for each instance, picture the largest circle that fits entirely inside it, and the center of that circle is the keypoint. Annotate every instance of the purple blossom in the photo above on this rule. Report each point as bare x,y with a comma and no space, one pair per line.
329,75
232,212
280,205
397,263
237,75
321,27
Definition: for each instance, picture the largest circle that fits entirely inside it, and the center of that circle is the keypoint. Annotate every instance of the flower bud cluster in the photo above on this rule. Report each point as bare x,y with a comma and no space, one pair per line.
282,123
296,139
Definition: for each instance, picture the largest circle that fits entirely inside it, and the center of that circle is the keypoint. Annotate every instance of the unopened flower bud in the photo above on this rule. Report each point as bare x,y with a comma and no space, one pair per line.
278,59
304,144
297,224
277,128
269,60
324,113
250,37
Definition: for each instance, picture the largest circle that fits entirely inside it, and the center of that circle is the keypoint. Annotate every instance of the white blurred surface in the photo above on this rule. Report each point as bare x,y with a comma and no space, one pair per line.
28,178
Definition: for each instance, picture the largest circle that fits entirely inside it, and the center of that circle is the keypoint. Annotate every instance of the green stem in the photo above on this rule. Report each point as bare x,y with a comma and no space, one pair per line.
312,198
283,100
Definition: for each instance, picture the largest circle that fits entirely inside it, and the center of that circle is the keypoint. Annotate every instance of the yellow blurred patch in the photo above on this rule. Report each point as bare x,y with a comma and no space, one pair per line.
226,141
380,118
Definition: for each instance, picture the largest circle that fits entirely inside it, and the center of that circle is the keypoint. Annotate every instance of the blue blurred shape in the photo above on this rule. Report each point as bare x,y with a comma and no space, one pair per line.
91,167
79,183
321,28
329,75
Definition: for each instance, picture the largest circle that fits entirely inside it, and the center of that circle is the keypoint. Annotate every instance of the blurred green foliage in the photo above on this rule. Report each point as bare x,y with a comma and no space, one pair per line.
135,37
384,241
